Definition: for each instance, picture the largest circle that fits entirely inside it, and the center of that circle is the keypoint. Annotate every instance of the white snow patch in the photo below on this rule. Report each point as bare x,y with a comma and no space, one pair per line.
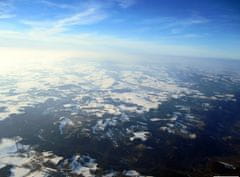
111,174
192,136
155,119
37,174
10,146
143,135
172,119
49,156
68,105
84,165
64,122
167,129
131,173
19,171
103,123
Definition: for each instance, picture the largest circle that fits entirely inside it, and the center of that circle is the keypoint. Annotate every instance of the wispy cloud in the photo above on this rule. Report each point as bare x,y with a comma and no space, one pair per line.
106,3
126,3
57,5
6,9
171,22
173,25
88,16
4,16
84,13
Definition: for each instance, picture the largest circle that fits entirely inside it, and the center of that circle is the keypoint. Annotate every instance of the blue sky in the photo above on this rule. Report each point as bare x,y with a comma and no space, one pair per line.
209,28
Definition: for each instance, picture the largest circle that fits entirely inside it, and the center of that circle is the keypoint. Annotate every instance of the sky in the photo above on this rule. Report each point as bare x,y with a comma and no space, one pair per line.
123,29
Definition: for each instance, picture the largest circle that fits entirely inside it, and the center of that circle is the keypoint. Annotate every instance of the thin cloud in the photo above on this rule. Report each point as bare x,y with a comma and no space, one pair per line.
107,3
173,25
85,13
6,8
89,16
5,16
126,3
57,5
196,20
86,17
170,21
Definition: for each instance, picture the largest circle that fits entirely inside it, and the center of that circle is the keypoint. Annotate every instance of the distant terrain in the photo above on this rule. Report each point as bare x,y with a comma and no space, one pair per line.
102,118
